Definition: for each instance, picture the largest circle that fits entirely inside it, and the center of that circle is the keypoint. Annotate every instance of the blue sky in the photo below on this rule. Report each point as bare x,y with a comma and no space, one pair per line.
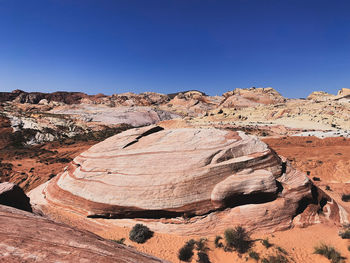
113,46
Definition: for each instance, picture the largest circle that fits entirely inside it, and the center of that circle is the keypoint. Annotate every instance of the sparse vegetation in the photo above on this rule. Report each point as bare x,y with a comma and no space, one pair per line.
238,238
202,257
275,259
254,255
186,252
140,233
345,233
282,250
345,197
201,245
218,243
120,241
265,242
329,252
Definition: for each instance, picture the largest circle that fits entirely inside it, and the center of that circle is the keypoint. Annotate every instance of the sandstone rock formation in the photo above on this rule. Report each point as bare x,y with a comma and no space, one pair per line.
13,195
192,103
186,181
344,92
320,96
251,97
25,237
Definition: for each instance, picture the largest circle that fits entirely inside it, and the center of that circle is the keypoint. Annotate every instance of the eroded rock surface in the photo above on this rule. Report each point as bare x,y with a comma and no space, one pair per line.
25,237
186,181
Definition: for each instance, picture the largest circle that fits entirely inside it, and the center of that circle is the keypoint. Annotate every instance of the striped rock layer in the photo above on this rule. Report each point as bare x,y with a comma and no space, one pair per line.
26,237
187,181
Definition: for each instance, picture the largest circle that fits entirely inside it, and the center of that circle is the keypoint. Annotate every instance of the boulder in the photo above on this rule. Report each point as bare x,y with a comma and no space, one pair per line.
186,180
25,237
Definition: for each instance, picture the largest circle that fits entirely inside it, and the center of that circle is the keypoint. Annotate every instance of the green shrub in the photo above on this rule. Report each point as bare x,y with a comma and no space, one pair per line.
140,233
120,241
201,245
345,197
282,250
186,252
329,252
275,259
238,238
202,257
217,242
266,243
254,255
345,234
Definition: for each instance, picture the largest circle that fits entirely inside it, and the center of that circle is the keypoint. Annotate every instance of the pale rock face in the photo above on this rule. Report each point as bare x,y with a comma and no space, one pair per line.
344,92
185,180
25,237
134,116
321,96
251,97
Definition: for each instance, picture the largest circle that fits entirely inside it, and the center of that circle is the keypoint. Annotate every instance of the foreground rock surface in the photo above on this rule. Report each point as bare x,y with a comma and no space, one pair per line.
29,238
187,181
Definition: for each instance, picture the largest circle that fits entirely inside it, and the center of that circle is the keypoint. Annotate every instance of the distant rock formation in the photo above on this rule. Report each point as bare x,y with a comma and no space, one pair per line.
320,96
187,181
25,237
251,97
344,92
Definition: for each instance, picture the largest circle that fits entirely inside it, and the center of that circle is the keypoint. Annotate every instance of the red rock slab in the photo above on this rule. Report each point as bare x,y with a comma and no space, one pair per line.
25,237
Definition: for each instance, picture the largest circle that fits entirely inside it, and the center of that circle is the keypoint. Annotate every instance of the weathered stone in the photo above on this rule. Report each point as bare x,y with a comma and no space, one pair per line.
182,180
25,237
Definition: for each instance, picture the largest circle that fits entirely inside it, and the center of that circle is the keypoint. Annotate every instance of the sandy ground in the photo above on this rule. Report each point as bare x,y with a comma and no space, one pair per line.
299,243
35,165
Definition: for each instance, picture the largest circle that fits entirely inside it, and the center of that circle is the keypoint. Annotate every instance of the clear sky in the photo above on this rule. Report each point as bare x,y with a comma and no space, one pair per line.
114,46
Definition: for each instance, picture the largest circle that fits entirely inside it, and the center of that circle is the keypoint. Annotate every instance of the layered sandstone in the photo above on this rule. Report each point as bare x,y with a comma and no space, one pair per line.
25,237
186,181
251,97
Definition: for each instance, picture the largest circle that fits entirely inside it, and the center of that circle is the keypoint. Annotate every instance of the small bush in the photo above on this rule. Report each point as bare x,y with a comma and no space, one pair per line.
238,238
140,233
201,245
275,259
266,243
345,234
282,250
254,255
120,241
328,188
217,242
329,252
316,178
345,197
202,257
186,252
191,243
